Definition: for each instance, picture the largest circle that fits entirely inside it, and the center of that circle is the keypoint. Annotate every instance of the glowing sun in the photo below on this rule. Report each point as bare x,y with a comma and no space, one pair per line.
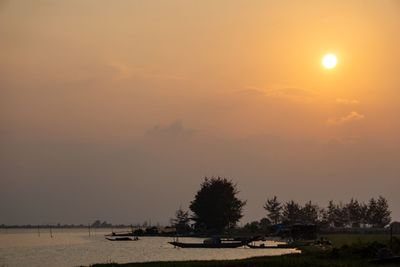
329,61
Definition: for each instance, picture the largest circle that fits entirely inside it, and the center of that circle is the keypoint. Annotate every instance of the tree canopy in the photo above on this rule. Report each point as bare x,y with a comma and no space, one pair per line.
378,212
291,212
216,206
353,214
273,207
181,221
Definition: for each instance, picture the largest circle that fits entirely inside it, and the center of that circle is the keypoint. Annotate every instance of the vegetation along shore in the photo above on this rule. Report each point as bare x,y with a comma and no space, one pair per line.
348,250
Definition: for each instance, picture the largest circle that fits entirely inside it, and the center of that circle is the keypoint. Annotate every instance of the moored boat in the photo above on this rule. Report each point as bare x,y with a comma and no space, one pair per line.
123,238
214,242
127,233
234,244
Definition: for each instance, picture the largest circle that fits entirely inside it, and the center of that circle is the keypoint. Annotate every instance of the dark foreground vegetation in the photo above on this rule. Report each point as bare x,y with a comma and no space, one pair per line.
347,251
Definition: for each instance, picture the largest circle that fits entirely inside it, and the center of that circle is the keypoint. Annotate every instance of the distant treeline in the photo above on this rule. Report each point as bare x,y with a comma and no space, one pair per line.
354,214
216,209
95,224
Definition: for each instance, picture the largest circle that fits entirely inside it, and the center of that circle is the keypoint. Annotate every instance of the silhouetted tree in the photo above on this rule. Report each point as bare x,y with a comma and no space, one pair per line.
354,213
291,212
151,231
378,212
364,214
96,224
323,217
181,221
264,224
273,207
216,206
309,213
139,232
336,214
252,227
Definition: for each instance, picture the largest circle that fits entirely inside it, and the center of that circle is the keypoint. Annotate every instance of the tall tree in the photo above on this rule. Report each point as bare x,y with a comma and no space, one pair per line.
309,213
364,214
336,214
291,212
371,212
181,221
354,213
378,212
216,205
264,224
273,207
323,217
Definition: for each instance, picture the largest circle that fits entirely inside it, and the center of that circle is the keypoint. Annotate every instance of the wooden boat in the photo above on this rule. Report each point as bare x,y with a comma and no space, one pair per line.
123,238
234,244
295,244
127,233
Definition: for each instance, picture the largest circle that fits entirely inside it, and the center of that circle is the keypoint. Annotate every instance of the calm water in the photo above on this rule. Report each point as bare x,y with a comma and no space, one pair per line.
75,247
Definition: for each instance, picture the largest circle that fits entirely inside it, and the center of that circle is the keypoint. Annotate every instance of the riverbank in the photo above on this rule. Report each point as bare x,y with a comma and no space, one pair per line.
347,251
270,261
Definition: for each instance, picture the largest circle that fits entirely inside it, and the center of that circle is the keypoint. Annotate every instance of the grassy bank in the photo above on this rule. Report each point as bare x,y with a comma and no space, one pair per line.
275,261
346,251
339,240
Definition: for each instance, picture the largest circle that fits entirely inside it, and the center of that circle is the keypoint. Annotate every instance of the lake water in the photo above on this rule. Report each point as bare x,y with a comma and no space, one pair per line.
24,247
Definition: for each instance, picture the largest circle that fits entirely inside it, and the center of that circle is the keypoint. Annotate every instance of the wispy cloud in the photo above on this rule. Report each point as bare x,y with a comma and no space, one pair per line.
345,101
252,90
353,116
295,92
175,129
123,71
280,92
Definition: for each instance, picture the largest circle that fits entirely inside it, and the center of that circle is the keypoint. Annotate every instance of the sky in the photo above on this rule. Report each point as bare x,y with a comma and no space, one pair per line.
117,110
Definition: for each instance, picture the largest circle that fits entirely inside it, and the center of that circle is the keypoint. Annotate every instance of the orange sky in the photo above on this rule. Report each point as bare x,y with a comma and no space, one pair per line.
112,104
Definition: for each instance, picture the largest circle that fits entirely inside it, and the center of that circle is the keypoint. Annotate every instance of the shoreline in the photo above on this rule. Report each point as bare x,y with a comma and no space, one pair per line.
346,251
290,260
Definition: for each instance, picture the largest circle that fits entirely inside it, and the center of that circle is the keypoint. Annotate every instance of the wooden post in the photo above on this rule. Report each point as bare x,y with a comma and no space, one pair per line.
51,232
391,237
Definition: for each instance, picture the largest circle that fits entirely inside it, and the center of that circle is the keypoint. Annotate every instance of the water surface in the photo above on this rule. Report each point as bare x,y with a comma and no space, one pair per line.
24,247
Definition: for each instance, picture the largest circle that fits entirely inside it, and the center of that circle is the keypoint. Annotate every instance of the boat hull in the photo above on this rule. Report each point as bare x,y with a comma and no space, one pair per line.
126,238
211,245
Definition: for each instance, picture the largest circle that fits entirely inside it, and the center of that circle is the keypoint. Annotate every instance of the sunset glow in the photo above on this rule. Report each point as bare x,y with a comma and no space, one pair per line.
116,110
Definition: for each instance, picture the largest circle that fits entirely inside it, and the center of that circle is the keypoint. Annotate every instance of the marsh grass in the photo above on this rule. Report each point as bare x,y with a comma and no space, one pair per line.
339,240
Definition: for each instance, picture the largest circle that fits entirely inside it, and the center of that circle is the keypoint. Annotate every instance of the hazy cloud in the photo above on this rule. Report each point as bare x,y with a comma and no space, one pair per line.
296,92
122,71
251,90
80,101
353,116
344,101
175,129
281,92
3,4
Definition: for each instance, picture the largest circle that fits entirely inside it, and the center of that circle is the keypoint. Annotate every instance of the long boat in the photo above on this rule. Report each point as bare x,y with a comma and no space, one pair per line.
123,238
234,244
127,233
